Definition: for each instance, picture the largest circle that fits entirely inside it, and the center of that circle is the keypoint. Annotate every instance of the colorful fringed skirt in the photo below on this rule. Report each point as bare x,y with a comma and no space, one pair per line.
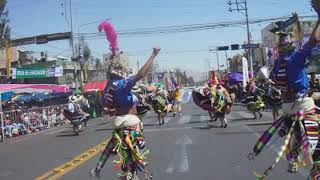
300,127
129,144
204,102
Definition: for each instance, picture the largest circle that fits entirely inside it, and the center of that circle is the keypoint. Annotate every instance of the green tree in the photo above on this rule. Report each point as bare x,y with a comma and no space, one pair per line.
86,52
4,24
83,49
191,81
98,63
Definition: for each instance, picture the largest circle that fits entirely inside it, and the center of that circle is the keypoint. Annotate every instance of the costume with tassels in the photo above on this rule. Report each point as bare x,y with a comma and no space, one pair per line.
299,125
215,99
221,103
127,140
159,102
174,92
254,98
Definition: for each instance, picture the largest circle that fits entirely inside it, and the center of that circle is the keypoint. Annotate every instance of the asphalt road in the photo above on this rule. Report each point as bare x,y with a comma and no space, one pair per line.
186,148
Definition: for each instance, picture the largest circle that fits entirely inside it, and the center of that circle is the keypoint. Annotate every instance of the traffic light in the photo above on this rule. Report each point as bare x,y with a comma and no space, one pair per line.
223,48
76,59
234,46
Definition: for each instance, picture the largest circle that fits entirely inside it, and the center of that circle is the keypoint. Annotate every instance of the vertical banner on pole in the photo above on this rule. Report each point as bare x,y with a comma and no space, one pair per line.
245,72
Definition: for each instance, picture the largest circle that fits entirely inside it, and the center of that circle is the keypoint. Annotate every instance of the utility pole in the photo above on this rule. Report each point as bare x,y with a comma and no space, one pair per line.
218,60
138,65
72,46
242,5
217,56
227,60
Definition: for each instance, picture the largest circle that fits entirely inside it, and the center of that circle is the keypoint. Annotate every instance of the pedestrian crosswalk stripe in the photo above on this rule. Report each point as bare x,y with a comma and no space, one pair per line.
204,118
184,119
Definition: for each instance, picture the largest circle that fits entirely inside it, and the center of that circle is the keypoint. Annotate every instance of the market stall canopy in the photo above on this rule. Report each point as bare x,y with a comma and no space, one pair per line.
97,85
235,77
34,88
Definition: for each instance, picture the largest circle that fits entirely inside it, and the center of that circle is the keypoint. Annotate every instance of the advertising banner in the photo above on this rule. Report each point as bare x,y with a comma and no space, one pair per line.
26,73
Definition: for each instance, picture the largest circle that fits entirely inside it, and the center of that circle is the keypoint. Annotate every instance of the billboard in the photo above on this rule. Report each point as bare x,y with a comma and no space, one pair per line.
27,73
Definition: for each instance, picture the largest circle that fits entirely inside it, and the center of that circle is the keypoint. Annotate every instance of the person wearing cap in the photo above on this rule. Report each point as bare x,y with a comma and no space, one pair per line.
299,123
127,136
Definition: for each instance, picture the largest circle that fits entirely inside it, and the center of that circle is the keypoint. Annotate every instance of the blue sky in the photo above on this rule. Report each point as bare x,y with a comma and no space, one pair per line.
33,17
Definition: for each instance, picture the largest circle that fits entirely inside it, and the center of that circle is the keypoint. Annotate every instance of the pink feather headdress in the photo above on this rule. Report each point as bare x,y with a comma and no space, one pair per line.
111,35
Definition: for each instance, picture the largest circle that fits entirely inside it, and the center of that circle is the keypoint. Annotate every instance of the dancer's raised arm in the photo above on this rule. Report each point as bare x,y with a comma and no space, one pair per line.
147,66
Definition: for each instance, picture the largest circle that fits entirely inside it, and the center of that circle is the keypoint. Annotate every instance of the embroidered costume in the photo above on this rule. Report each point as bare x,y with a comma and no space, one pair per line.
299,124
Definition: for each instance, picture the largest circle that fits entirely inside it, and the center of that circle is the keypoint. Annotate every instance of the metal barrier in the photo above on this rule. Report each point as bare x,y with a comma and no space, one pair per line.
24,121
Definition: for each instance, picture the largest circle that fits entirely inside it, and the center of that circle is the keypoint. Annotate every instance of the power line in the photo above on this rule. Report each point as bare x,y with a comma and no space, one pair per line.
183,28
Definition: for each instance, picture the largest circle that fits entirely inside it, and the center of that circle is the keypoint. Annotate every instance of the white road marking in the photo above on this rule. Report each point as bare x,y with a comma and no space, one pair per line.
180,162
184,119
204,118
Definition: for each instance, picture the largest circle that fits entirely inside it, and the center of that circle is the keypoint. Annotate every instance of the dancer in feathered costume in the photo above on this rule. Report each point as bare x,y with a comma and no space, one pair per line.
274,99
174,92
215,99
299,124
221,103
159,102
254,99
127,140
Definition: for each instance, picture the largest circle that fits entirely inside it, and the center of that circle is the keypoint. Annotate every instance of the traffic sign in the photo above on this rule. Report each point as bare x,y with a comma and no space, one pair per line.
250,46
223,48
234,46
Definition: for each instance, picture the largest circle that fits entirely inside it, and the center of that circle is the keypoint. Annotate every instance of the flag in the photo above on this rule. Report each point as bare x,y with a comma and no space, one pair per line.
245,71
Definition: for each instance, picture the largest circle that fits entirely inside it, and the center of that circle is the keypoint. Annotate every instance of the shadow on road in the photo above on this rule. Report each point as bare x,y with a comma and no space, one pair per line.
206,127
241,119
66,135
151,125
197,122
206,114
240,132
103,123
105,129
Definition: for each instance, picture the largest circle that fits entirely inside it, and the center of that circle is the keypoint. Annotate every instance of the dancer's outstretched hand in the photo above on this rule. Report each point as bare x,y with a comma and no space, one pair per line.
316,6
156,50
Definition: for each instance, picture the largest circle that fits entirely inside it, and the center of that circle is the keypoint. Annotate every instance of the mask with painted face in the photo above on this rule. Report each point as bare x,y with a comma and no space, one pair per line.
286,44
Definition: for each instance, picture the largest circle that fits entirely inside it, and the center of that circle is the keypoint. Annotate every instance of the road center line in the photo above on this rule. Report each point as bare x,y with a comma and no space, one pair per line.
77,161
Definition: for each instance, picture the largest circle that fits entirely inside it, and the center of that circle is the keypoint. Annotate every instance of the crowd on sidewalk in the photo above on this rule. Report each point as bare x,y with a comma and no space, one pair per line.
25,121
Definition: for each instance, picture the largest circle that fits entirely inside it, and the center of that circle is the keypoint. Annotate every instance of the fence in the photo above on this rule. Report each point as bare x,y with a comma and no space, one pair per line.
23,121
